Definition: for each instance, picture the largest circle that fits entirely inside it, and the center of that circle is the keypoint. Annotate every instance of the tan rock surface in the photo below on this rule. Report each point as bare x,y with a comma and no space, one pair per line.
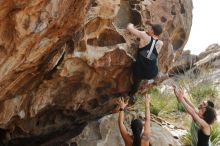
183,63
209,59
62,61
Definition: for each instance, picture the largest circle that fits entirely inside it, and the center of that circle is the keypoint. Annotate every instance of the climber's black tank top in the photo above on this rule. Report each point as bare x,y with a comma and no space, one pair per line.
143,67
203,140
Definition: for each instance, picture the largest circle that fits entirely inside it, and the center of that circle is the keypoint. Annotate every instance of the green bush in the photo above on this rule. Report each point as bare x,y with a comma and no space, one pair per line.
155,110
203,90
186,140
215,135
180,107
198,87
163,102
159,101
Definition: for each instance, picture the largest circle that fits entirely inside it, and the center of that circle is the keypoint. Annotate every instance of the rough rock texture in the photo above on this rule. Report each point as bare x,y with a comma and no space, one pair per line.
209,59
214,48
183,63
105,132
62,61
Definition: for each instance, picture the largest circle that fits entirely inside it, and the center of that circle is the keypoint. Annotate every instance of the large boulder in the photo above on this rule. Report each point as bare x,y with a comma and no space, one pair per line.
208,59
183,63
105,132
62,61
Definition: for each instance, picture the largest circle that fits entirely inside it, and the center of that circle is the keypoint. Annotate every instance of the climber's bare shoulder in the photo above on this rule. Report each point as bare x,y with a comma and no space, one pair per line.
144,141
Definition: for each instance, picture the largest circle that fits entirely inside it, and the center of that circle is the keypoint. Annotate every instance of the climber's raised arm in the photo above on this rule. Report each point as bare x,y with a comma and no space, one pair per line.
147,116
136,32
124,133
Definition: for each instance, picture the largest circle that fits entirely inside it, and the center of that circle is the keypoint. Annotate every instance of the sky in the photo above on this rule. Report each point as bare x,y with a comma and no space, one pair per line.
205,26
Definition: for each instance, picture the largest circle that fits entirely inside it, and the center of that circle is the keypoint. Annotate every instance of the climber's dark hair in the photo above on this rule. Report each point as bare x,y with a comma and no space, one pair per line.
136,127
210,103
209,115
157,29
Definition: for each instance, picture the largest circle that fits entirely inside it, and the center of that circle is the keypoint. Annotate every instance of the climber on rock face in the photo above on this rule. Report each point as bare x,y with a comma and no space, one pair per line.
140,131
145,66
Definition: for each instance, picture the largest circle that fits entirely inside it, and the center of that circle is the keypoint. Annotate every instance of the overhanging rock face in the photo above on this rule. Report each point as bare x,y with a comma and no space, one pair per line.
62,61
